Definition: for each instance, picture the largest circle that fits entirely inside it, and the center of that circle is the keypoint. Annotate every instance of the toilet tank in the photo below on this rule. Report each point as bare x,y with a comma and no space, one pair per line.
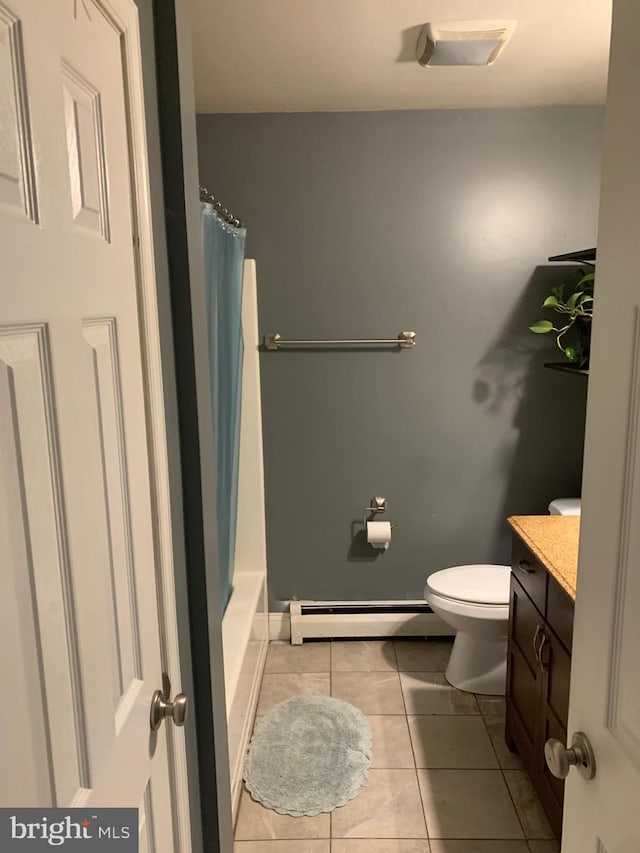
565,506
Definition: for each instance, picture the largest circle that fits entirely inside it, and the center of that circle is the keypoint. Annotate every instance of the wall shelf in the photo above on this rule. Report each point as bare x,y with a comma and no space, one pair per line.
567,368
586,256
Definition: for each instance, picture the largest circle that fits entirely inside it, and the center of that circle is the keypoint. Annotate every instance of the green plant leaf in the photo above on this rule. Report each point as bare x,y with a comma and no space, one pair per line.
541,327
550,302
586,283
572,300
584,299
574,354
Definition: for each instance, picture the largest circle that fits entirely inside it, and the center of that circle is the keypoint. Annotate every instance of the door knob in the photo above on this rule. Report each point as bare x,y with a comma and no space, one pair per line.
162,707
560,759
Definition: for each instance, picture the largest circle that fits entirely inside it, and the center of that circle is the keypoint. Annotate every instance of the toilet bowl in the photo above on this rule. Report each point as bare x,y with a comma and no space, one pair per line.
475,601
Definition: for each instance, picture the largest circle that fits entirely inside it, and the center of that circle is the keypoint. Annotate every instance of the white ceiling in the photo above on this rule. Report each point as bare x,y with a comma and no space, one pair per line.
301,55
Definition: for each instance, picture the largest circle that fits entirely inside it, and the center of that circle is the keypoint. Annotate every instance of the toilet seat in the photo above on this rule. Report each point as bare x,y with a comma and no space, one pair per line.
477,585
468,609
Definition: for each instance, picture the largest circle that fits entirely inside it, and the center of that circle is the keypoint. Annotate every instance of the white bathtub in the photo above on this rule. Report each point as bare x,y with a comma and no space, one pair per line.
245,625
245,628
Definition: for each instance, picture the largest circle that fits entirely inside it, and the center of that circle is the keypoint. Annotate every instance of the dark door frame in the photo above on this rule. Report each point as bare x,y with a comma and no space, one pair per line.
170,114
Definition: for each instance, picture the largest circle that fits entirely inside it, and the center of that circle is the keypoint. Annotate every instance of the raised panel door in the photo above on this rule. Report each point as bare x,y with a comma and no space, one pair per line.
80,618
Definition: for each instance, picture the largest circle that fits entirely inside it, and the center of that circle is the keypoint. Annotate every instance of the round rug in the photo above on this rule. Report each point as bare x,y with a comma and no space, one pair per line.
308,755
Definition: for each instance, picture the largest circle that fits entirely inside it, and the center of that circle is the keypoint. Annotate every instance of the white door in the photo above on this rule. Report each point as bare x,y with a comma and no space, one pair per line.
80,618
602,815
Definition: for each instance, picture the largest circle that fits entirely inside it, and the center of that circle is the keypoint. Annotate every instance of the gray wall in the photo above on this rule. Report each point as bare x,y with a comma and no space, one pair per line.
365,224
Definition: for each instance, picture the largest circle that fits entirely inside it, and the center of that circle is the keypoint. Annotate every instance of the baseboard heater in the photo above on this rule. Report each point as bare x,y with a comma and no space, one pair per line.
363,619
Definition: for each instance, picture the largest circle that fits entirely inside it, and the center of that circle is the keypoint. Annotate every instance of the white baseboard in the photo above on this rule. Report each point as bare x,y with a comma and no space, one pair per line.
296,627
279,626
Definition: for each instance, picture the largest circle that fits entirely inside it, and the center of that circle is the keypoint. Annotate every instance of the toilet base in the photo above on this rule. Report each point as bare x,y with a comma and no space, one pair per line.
478,665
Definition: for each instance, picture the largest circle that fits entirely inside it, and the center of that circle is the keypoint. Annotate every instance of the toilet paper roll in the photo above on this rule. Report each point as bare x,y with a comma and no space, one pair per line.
379,534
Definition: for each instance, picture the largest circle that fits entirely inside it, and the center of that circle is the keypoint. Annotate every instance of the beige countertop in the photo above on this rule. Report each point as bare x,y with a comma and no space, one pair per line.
554,541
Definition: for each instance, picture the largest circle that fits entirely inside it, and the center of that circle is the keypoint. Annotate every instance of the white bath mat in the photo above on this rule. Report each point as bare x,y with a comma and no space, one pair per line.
308,755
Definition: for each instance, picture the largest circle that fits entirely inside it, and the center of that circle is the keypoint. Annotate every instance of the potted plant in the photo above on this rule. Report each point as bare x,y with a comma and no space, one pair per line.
573,333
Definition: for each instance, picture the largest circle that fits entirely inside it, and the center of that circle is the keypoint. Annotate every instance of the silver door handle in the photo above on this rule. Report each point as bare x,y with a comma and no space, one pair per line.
537,649
560,759
162,706
543,643
535,641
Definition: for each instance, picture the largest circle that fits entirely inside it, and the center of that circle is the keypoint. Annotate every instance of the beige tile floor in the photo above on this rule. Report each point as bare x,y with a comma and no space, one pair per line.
441,780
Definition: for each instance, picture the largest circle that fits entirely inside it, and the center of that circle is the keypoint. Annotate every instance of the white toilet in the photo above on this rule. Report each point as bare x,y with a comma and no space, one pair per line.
475,601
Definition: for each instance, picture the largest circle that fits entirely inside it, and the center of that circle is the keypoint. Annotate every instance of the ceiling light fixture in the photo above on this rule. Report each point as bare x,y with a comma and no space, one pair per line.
463,42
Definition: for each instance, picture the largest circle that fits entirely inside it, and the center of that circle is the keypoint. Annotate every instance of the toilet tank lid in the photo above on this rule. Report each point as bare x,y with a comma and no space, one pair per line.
565,506
478,584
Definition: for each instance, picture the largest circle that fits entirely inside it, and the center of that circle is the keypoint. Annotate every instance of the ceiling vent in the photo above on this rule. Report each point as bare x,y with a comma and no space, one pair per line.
463,42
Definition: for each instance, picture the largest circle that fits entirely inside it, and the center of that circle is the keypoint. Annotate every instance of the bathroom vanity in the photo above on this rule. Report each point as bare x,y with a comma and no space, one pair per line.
543,586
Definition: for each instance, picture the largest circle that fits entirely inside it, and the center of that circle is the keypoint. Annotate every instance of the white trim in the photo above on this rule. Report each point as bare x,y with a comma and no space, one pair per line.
237,768
251,531
243,621
245,633
296,627
125,14
279,626
620,728
245,624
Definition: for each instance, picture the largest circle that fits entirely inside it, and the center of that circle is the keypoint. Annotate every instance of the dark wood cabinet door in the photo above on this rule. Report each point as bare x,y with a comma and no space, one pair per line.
524,675
559,613
538,673
557,665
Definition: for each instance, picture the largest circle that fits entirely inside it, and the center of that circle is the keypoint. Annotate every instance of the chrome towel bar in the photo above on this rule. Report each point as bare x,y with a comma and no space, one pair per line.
405,340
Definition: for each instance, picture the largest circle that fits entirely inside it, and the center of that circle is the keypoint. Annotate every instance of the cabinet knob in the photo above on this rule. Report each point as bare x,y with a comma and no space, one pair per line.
525,566
560,759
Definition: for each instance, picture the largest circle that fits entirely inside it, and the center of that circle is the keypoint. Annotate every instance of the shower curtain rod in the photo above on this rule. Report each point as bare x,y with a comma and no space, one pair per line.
222,211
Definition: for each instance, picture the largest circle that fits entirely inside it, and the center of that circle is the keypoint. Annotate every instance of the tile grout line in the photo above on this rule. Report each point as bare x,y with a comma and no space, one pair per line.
504,778
511,797
495,751
499,767
526,841
515,805
301,672
330,694
413,752
527,837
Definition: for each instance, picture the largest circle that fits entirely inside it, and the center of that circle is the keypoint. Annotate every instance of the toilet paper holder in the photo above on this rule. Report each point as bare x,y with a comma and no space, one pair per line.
376,505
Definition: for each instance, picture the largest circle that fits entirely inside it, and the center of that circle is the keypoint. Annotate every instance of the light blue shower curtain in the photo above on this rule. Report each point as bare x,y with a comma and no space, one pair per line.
223,268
